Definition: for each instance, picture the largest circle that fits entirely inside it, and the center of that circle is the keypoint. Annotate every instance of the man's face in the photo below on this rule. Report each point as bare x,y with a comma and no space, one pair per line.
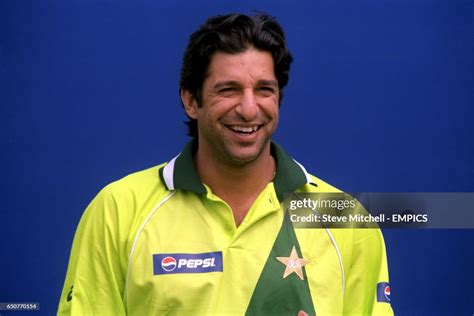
239,108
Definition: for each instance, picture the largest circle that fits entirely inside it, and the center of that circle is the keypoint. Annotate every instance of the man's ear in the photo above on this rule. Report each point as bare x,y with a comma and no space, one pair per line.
190,103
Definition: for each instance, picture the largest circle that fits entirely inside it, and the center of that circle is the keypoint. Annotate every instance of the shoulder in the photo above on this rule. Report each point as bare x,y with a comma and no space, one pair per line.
323,185
122,205
129,198
319,185
371,238
137,181
136,185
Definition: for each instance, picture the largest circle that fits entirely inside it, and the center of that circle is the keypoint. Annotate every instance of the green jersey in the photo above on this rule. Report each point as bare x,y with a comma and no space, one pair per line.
161,242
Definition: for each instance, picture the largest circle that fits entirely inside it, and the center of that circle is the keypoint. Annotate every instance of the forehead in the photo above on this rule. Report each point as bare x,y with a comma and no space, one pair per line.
249,64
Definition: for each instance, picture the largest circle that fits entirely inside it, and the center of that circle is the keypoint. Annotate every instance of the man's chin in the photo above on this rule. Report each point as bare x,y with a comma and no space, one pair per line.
244,156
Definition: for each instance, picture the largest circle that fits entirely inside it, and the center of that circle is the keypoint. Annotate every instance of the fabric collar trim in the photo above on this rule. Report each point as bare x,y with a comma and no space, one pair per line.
180,174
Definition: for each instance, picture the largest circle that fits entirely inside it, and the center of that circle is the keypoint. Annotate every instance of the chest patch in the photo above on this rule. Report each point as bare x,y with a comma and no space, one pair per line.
171,263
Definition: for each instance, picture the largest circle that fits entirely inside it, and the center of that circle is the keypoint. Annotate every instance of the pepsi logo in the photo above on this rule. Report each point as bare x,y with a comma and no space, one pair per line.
168,264
383,292
171,263
386,291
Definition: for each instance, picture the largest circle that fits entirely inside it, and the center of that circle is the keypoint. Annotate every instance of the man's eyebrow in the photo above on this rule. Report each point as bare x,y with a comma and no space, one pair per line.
226,83
264,82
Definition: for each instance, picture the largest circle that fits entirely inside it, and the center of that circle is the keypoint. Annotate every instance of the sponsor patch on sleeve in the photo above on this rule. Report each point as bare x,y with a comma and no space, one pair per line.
171,263
383,292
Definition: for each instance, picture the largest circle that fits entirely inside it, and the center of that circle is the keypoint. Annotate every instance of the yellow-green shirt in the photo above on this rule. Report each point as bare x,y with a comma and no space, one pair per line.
159,242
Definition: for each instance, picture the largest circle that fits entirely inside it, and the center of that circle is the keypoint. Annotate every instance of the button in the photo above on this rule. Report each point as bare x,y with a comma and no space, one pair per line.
228,227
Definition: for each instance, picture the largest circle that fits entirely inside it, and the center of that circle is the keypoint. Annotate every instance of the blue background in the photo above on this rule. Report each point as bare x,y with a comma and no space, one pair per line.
380,99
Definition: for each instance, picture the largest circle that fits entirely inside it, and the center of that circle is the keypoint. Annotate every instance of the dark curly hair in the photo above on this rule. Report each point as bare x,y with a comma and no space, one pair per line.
232,33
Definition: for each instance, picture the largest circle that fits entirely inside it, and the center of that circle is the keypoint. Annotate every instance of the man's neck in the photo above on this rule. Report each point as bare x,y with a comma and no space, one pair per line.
237,184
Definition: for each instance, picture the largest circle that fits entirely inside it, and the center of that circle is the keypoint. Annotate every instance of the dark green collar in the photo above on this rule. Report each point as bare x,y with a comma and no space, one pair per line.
179,172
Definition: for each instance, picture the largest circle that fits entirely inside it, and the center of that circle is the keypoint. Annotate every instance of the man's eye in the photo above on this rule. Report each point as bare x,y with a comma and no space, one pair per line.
229,89
267,90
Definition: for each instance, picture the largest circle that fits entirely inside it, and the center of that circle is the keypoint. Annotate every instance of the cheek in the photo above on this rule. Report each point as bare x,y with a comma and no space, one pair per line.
271,108
209,118
219,109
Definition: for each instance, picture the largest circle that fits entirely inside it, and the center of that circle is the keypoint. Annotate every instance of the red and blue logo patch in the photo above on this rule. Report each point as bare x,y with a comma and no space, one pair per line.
383,292
170,263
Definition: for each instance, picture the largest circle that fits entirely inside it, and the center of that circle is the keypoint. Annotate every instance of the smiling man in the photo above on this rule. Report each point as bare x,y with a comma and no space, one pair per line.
206,233
237,116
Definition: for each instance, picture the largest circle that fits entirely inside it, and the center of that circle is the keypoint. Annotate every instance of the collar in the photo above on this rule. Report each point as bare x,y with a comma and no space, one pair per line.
180,173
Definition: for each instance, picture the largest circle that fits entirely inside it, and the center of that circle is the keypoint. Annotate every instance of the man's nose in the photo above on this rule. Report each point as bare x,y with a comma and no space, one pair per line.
248,107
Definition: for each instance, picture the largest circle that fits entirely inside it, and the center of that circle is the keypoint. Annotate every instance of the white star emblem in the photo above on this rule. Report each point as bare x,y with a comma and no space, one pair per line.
293,264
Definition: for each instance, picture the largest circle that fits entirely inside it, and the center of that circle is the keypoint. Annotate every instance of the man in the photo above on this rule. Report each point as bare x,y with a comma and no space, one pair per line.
206,233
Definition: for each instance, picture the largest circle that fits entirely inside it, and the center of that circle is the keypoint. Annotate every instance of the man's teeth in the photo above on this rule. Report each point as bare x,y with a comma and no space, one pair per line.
244,129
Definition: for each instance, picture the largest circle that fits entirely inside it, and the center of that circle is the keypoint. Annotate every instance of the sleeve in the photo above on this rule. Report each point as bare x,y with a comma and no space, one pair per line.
95,278
367,285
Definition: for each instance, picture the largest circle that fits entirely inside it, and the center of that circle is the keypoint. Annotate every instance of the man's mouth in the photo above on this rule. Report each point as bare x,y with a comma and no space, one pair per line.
244,130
